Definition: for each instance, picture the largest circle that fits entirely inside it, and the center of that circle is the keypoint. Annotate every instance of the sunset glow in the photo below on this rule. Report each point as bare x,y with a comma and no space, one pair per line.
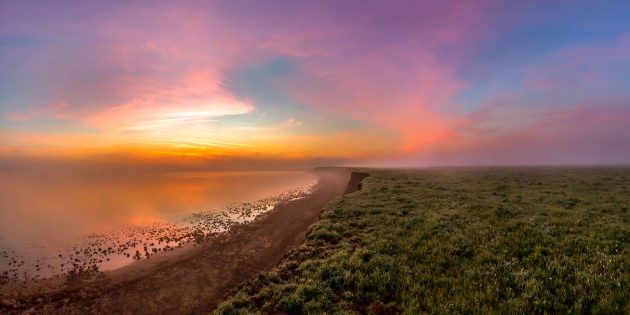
412,83
314,156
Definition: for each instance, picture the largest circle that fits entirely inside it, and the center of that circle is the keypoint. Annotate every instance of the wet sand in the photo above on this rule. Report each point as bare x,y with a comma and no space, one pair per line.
195,279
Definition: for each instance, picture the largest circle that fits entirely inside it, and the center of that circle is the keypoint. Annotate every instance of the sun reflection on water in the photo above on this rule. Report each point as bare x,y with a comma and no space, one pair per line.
146,232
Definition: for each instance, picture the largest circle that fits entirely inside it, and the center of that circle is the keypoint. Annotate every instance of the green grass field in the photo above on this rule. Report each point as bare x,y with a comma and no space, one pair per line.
460,240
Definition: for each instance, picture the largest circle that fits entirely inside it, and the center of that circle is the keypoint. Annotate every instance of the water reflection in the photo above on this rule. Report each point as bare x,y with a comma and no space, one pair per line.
53,223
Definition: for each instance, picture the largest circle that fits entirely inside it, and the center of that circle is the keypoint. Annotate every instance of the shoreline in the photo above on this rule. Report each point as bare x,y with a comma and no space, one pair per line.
193,230
204,271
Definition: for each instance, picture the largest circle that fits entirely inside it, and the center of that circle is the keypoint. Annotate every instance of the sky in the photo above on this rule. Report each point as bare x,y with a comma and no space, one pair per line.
261,84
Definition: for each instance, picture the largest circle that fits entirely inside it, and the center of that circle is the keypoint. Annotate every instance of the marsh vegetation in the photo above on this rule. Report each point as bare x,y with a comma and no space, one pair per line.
508,240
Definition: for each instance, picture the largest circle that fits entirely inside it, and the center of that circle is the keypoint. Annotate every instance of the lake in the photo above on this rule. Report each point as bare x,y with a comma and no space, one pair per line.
55,222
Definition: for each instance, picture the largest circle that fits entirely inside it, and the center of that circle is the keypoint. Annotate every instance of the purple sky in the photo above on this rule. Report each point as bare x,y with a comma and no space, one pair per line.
402,83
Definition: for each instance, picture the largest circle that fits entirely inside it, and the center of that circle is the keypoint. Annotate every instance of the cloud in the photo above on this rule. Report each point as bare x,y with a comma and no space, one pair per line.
570,108
414,81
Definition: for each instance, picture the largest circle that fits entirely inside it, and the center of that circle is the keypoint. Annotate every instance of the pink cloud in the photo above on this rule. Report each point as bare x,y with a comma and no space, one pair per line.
402,85
395,69
571,107
173,64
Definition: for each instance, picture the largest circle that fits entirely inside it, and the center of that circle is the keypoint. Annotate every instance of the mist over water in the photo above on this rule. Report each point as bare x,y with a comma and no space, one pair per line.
43,213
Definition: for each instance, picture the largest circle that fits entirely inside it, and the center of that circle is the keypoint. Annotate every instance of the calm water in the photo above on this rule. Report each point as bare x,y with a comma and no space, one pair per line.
53,222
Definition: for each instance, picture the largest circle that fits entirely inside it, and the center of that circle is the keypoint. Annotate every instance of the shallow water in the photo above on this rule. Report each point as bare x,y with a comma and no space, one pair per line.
52,223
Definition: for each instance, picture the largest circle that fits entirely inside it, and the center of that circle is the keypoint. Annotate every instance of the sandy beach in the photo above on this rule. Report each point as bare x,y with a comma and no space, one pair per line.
193,278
